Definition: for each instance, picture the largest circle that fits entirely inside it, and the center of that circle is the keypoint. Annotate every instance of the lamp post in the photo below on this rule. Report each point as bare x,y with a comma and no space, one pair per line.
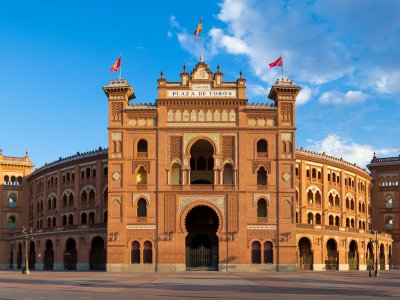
26,231
375,232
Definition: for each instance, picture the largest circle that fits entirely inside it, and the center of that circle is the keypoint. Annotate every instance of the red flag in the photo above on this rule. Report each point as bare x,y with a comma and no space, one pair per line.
116,65
277,63
199,28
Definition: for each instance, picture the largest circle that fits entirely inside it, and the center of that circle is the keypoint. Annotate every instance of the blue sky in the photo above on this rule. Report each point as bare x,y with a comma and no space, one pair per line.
55,58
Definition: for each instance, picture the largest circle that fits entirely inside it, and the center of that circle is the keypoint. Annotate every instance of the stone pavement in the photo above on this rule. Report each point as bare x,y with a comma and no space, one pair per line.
198,285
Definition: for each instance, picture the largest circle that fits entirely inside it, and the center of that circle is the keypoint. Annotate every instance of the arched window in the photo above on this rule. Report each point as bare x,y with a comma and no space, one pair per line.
84,198
262,176
314,173
331,222
135,255
308,173
13,180
389,223
310,219
268,253
352,204
64,220
64,201
12,221
318,219
12,200
256,253
105,195
347,202
94,173
91,218
142,147
83,218
352,223
262,208
92,197
141,176
337,221
389,201
87,172
148,253
54,221
142,208
6,180
329,176
334,177
19,180
337,201
330,200
71,220
71,200
176,174
347,222
319,175
310,197
317,197
262,147
228,174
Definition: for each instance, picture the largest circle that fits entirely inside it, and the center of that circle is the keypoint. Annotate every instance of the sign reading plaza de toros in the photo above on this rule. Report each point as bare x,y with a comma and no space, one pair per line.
201,90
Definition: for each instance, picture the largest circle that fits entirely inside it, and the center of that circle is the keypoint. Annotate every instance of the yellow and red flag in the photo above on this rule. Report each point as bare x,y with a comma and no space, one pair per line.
198,29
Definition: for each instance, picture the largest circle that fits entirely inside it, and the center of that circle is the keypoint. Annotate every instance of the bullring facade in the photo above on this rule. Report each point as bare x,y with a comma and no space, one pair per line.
200,180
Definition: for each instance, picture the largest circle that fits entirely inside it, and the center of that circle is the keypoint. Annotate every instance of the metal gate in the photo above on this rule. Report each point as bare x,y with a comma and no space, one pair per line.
331,263
305,263
353,264
202,259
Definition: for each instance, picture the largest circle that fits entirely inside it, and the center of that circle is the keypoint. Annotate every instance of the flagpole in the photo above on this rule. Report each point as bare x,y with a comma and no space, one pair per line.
201,49
120,68
282,64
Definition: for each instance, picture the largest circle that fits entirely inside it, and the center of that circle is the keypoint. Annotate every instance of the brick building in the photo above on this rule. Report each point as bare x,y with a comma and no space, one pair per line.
200,180
386,193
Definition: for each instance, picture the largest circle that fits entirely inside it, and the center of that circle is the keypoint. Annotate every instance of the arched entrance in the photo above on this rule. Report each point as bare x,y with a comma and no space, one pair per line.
370,256
353,256
32,256
202,242
382,261
202,163
49,256
331,262
70,255
97,255
305,256
19,256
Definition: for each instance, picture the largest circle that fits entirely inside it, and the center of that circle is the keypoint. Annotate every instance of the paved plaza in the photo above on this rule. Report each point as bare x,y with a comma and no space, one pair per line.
198,285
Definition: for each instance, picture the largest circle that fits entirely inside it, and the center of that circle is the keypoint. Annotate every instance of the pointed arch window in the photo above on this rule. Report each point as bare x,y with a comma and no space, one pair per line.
141,176
262,176
262,208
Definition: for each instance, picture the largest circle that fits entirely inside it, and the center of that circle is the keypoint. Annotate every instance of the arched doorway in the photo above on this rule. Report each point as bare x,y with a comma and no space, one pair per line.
49,256
331,262
202,163
202,242
97,255
370,256
32,256
70,255
19,256
382,260
305,256
353,256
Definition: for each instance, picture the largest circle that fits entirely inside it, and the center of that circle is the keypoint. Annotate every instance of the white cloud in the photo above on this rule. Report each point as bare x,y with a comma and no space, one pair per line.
258,91
337,97
304,95
347,149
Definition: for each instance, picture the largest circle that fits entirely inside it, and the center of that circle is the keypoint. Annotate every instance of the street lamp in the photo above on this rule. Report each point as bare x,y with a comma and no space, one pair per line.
26,231
376,274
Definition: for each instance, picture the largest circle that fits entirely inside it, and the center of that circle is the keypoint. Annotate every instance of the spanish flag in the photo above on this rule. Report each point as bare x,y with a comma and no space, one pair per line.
198,29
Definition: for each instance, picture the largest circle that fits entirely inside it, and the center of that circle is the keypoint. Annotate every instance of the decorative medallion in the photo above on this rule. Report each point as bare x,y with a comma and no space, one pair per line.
116,176
286,176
